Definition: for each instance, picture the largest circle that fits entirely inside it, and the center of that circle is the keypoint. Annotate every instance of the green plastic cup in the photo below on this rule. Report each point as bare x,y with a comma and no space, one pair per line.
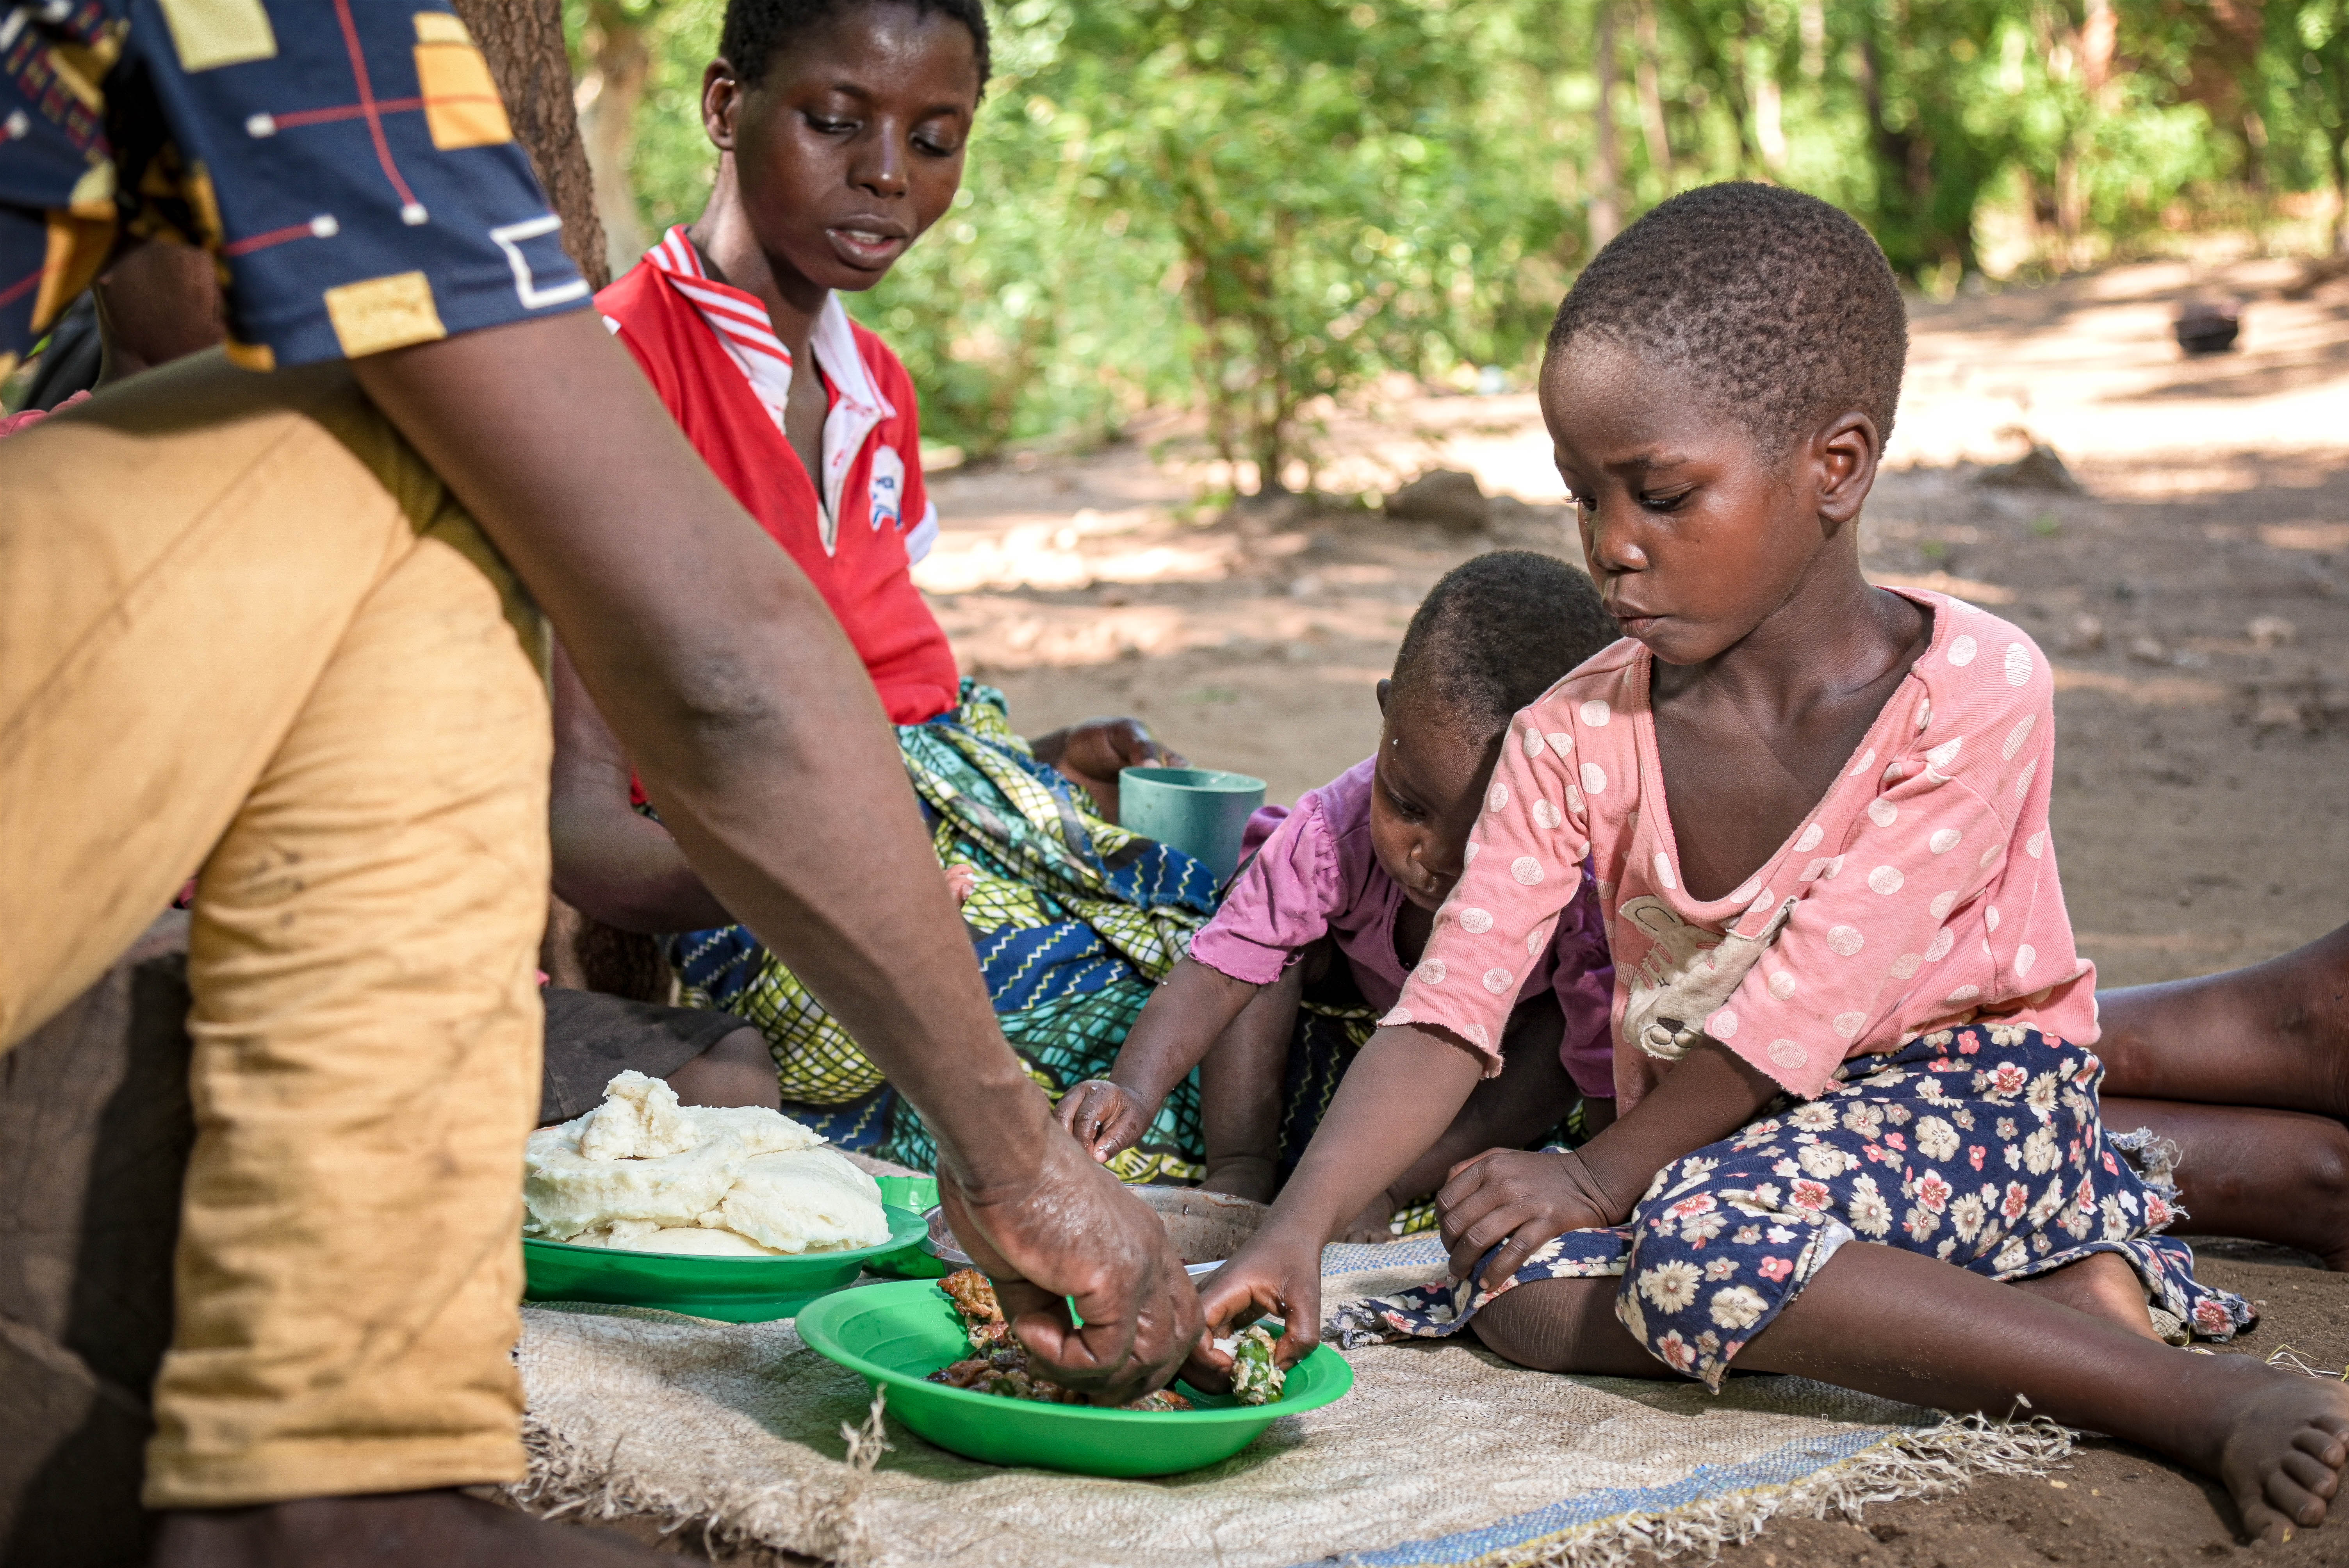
919,1193
1199,811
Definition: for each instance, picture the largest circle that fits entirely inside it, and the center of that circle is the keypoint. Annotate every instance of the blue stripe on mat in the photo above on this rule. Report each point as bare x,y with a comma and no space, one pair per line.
1776,1468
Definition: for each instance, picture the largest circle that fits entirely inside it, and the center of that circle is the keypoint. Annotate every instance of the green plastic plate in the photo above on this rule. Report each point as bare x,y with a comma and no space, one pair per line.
735,1290
897,1334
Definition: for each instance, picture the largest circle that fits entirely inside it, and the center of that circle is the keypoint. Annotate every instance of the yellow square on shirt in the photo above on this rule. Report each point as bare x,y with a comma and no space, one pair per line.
461,107
384,313
212,33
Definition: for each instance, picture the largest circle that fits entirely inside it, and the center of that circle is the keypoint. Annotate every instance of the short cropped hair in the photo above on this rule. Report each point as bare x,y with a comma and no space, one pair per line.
755,31
1778,305
1494,634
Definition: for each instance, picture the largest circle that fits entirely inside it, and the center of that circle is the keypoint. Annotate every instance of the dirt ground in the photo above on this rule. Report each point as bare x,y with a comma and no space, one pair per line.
2194,596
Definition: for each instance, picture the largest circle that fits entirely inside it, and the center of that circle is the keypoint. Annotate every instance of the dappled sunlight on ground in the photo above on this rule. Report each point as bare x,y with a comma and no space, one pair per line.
2194,601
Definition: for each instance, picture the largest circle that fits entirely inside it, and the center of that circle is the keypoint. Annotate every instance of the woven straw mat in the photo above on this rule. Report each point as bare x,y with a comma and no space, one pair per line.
745,1439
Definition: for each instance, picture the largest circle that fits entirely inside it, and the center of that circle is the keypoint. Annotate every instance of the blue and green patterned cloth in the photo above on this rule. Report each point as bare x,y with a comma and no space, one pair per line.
1074,920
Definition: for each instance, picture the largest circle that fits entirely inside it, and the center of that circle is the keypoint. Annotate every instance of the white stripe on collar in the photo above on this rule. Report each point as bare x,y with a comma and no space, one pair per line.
742,328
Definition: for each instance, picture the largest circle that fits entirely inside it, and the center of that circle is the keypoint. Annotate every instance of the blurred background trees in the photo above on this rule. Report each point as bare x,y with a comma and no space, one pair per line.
1249,206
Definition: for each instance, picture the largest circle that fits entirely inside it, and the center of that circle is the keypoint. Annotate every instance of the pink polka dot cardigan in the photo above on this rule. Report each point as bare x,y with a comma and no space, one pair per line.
1919,894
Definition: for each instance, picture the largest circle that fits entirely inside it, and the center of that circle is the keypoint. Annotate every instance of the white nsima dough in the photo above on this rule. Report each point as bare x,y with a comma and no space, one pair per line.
810,1199
762,1131
693,1241
565,1192
644,1173
639,1119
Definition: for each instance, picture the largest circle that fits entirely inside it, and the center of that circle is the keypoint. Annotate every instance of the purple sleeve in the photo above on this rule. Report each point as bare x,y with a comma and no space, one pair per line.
1282,903
1585,987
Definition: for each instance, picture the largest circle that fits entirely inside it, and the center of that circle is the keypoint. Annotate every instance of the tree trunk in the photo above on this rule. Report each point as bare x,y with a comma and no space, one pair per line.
620,66
522,40
2337,145
1652,97
1605,183
1769,122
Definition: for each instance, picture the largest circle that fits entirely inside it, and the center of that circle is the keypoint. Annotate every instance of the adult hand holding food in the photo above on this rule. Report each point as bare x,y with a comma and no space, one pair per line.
1064,1232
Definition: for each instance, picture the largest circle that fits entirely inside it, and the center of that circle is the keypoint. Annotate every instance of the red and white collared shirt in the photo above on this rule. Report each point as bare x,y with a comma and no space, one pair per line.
713,358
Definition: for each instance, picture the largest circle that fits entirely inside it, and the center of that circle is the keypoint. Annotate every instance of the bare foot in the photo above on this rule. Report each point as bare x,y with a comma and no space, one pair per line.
2101,1284
1375,1224
1251,1176
430,1529
738,1070
2287,1437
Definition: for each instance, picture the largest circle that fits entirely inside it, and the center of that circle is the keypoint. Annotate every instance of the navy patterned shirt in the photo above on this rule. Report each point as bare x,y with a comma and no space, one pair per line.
347,162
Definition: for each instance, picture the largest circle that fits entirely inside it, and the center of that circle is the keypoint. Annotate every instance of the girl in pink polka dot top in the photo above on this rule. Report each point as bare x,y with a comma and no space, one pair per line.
1919,894
1858,1134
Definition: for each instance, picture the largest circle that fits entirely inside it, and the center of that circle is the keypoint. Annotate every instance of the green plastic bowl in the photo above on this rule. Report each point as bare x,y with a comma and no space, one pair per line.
897,1334
733,1290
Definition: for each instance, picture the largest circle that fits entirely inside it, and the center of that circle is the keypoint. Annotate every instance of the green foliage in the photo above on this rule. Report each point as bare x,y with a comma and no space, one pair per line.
1254,205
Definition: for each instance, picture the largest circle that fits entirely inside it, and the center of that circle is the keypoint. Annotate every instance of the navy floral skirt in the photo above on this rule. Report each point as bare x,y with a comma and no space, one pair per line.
1980,1146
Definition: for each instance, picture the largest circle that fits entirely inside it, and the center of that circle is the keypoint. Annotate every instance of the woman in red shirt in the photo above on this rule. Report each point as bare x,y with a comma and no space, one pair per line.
841,139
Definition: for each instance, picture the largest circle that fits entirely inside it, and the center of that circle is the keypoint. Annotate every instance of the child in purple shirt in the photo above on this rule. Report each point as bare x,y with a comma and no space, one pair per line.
1357,872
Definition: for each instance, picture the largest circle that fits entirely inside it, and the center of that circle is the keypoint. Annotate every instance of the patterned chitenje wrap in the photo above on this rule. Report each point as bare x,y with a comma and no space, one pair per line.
1073,919
1980,1146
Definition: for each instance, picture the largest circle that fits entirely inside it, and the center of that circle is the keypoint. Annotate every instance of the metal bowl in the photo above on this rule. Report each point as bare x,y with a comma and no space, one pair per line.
1205,1227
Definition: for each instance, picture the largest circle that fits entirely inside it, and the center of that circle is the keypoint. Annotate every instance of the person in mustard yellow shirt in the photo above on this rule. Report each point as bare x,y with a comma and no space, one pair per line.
271,617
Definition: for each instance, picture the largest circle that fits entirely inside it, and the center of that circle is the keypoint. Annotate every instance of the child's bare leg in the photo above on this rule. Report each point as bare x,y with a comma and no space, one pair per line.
1239,1091
1532,1095
2279,1176
738,1070
2276,1034
1565,1326
1569,1324
2101,1284
1910,1327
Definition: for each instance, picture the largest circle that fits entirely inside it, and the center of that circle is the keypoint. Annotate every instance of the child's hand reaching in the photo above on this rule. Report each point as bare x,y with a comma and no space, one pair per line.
1518,1200
1107,1118
1276,1274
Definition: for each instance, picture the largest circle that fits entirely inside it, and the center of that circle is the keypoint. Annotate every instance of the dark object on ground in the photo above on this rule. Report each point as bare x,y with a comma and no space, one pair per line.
1445,497
95,1130
591,1035
2208,325
2039,468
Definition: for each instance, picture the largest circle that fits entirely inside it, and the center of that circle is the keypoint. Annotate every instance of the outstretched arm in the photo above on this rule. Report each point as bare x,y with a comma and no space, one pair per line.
756,730
1178,1025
